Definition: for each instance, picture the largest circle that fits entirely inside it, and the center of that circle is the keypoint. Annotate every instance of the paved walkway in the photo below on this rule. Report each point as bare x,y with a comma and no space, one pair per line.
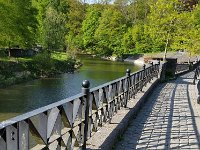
170,119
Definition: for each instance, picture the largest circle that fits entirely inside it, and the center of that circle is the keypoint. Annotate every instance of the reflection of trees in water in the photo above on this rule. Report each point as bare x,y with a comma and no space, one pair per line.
28,96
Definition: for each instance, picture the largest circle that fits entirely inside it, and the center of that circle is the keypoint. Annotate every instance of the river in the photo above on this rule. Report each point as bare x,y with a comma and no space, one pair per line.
25,97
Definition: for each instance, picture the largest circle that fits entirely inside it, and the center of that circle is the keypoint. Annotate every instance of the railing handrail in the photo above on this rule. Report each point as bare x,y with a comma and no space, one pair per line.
116,80
182,68
37,111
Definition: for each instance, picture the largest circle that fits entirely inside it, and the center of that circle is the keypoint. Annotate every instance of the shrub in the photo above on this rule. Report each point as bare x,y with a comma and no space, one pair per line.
42,65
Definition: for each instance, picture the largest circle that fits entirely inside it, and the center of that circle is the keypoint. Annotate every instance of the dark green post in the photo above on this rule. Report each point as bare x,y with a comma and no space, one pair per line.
128,74
86,92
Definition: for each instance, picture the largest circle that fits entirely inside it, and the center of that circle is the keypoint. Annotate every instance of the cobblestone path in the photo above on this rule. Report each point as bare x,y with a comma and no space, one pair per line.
168,120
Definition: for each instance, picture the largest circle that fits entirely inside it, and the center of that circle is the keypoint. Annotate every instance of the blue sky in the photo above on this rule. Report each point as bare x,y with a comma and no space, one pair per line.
91,1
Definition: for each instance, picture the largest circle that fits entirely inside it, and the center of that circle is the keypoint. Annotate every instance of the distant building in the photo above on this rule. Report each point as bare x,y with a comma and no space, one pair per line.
18,52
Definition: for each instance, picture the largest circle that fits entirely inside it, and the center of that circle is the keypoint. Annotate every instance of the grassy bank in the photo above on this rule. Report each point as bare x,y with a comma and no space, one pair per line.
17,70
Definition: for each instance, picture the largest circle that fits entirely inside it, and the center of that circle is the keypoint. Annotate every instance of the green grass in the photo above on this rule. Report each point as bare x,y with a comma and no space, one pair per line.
62,56
5,59
59,56
12,59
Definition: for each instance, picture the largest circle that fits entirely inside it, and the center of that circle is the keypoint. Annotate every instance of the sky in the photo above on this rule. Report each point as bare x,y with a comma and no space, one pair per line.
91,1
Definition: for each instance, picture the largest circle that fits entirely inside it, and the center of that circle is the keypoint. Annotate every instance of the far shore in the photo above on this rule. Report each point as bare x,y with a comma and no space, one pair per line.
182,57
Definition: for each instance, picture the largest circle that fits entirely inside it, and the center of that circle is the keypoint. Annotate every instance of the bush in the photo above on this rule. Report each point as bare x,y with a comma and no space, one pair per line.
65,66
6,69
42,65
3,53
10,81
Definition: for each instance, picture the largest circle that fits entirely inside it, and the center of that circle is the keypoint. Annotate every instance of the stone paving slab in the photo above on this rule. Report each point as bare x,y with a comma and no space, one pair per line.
170,119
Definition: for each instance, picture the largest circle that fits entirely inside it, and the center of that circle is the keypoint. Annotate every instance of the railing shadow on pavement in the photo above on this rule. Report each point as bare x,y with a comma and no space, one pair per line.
144,118
147,117
170,136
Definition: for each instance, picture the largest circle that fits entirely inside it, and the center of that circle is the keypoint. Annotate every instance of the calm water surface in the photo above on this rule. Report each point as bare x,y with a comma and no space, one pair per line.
25,97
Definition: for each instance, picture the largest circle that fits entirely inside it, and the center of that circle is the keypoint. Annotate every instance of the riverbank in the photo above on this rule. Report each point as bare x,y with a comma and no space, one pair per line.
137,59
19,70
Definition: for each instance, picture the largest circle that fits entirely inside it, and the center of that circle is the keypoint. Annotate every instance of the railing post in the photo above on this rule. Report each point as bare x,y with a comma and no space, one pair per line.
86,91
163,72
152,75
198,88
195,76
128,74
143,77
144,66
191,66
158,68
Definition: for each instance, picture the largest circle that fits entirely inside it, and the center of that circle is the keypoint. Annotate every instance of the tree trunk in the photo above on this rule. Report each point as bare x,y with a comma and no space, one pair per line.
166,45
189,58
9,50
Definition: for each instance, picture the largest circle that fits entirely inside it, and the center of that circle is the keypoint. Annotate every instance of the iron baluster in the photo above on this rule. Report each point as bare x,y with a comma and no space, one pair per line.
86,91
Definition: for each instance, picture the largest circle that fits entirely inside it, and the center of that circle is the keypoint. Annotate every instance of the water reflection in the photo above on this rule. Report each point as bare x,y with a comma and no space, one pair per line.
31,95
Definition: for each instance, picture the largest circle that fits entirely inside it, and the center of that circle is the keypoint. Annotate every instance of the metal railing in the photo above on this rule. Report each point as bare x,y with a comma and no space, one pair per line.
182,68
196,74
68,124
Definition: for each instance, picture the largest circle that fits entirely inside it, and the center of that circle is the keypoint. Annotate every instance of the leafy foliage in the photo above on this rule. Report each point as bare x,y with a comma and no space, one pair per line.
105,28
18,23
110,32
90,24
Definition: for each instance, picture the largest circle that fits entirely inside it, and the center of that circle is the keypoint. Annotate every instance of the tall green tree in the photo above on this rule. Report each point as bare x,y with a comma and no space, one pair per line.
188,34
110,32
18,23
55,30
41,6
136,40
90,24
75,17
52,18
163,23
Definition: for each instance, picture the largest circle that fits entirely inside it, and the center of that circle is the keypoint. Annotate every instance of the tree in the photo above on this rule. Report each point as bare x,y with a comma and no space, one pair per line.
17,27
163,23
188,37
55,31
41,6
136,40
90,24
110,32
75,17
52,23
172,25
